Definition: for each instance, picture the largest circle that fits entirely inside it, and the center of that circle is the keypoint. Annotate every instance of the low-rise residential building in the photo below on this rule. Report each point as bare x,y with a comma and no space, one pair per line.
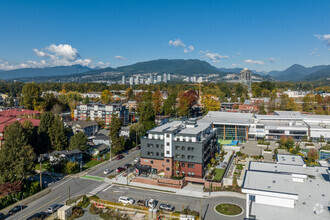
287,189
101,111
248,107
90,128
99,149
72,155
179,148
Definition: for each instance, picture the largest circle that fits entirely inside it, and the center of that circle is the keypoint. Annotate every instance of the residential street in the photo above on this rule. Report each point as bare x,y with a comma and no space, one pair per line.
80,186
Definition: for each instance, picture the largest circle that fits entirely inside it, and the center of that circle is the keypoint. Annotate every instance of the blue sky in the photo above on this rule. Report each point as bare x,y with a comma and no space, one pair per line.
260,35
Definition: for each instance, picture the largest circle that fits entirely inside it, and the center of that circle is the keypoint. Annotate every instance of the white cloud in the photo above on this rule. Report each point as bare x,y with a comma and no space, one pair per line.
189,49
176,43
53,55
249,61
120,57
314,51
63,50
239,53
214,57
324,37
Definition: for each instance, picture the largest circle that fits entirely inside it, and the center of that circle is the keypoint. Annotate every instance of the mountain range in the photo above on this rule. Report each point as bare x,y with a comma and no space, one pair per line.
181,67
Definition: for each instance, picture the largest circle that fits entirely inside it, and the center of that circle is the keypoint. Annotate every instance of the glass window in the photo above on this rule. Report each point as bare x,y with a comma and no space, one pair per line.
162,154
167,169
192,173
188,148
183,148
157,145
192,149
183,172
167,160
177,155
167,152
152,162
162,146
167,143
182,156
157,154
177,148
167,135
182,164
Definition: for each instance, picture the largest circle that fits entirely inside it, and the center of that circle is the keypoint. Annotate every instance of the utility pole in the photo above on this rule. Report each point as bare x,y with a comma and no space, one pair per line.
40,171
69,192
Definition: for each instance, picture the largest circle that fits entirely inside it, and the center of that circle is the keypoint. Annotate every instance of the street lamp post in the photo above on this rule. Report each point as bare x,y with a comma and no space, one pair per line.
21,207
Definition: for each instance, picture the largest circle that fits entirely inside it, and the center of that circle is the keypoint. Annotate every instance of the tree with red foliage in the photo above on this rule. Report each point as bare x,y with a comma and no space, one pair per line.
186,101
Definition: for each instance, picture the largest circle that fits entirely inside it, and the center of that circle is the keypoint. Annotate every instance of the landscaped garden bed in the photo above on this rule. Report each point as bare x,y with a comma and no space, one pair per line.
228,209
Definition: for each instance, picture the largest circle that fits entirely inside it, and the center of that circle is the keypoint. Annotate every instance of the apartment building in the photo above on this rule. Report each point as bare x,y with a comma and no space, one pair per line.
181,148
101,111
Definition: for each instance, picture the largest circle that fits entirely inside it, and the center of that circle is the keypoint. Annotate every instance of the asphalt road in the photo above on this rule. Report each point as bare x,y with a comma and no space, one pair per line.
80,186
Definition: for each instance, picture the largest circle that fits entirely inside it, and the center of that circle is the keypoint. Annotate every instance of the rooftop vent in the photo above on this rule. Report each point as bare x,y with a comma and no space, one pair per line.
274,181
269,187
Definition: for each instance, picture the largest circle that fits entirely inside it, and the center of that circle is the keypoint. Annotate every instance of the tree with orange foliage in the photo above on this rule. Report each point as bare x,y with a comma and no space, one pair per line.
157,101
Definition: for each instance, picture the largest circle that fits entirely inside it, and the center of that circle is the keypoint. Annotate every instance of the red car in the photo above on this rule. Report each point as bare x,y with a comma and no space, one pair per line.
120,157
120,169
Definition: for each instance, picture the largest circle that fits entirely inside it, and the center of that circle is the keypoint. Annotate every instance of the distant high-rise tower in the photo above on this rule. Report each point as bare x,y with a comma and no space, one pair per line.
131,80
246,77
159,79
169,77
123,80
137,80
165,78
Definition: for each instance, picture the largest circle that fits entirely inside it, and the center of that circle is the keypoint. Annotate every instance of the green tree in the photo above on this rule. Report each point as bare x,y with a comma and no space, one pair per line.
31,134
16,156
170,105
114,134
129,94
147,116
308,105
57,134
31,93
46,121
78,141
86,100
72,167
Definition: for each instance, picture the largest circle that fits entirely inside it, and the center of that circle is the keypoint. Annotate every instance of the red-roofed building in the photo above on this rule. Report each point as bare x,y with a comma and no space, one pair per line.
18,112
8,117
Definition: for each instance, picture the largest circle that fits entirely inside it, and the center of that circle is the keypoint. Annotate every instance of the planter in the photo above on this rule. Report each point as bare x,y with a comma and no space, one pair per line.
267,152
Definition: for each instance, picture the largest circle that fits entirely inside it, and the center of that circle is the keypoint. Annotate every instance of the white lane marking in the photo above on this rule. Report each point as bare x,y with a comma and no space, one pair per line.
107,188
98,189
62,183
116,191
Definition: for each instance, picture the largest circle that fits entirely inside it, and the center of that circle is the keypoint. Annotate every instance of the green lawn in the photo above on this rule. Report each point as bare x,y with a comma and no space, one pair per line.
91,163
218,174
228,209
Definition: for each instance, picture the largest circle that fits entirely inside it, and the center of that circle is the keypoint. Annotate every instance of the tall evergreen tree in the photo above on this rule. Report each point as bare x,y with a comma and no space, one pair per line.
147,116
46,121
114,134
16,156
31,93
57,134
78,141
170,105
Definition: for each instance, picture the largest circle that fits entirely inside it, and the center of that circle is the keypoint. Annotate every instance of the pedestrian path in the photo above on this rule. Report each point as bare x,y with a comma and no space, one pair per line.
98,189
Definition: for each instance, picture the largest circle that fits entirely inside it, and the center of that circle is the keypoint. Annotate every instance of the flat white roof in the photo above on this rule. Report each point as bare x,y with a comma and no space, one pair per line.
269,182
290,159
233,118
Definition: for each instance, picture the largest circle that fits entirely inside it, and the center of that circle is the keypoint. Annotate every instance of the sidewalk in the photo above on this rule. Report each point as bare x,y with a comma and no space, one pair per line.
186,191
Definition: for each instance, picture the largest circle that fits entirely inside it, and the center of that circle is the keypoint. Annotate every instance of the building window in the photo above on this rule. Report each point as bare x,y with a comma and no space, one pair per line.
148,145
182,156
167,169
192,173
192,149
182,164
167,152
167,160
188,148
148,153
177,148
157,154
162,146
167,135
183,148
167,143
189,173
152,162
177,155
193,157
151,145
183,173
191,165
162,154
157,145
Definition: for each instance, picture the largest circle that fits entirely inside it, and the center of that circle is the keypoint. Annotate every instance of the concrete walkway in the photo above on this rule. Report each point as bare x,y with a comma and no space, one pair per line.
186,191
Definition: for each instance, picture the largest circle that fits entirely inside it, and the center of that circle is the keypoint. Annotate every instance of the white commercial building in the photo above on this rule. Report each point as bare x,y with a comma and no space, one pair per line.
286,190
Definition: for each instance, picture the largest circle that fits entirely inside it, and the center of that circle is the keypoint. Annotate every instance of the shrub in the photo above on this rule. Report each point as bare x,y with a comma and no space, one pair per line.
85,201
72,167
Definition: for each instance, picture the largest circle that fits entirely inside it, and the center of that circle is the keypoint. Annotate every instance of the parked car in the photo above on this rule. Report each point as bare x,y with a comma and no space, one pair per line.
120,157
120,169
53,208
137,160
38,216
107,171
166,207
127,165
15,210
151,203
126,200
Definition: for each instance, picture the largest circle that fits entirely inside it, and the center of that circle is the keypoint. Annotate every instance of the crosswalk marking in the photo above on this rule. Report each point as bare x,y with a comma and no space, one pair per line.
99,188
